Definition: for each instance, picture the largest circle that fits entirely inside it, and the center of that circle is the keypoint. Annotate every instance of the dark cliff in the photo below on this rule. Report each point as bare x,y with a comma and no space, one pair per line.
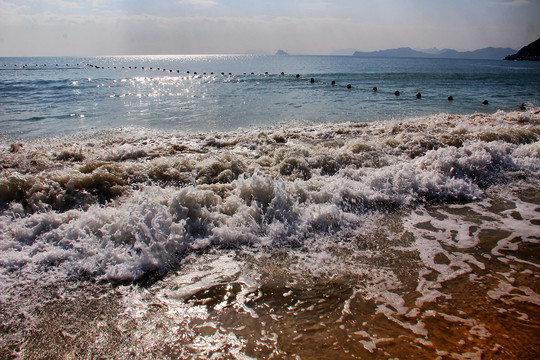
529,52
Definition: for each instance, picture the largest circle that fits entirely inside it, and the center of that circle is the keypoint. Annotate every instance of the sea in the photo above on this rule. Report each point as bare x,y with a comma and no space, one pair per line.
269,207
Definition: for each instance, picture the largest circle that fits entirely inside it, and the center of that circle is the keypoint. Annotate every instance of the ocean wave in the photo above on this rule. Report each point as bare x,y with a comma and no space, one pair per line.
121,205
128,242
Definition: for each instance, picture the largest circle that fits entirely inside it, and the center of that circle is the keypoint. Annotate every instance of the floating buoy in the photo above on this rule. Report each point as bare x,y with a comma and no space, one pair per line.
396,93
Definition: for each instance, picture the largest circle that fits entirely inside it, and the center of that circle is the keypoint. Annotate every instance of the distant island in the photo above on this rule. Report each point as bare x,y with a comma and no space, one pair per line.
281,52
489,53
530,52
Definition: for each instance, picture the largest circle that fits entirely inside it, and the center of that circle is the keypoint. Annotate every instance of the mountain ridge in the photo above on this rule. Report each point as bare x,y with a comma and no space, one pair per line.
489,53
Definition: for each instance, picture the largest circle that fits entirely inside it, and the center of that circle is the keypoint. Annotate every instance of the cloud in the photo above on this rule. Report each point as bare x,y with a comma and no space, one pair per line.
317,5
199,3
515,2
108,27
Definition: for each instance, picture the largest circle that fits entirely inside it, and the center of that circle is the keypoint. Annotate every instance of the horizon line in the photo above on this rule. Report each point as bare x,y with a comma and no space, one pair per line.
263,53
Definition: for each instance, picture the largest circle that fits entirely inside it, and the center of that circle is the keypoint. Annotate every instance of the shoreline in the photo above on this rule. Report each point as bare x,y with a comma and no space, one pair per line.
336,240
142,131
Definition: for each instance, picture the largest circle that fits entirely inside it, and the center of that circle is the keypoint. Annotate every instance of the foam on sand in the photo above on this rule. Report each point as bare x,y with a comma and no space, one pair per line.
369,230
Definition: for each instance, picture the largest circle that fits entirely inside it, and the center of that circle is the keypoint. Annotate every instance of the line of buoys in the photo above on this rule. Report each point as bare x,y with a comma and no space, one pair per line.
170,70
38,67
418,95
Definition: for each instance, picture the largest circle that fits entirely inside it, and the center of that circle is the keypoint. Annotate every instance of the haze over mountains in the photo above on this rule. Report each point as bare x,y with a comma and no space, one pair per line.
486,53
489,53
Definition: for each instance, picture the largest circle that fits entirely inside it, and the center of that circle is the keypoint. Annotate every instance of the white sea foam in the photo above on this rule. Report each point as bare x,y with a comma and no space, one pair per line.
221,217
125,204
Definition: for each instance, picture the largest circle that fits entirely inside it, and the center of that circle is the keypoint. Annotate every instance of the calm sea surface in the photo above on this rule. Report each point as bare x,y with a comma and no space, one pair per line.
155,214
51,96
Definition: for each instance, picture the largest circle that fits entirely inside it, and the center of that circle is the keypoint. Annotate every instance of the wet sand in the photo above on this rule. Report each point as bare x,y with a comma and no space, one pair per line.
454,277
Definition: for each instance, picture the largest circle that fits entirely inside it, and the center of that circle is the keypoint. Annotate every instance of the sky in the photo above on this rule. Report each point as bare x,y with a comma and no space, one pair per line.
137,27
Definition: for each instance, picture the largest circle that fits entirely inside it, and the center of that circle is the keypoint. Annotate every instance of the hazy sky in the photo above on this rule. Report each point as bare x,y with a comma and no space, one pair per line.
115,27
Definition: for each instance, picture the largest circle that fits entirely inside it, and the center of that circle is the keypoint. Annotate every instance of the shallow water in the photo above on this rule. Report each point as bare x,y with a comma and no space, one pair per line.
396,239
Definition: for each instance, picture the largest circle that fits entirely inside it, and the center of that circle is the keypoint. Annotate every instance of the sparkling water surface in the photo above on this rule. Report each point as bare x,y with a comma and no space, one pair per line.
52,96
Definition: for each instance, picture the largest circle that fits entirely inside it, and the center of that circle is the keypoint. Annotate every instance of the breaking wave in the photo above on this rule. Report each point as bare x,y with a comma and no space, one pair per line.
123,204
365,238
